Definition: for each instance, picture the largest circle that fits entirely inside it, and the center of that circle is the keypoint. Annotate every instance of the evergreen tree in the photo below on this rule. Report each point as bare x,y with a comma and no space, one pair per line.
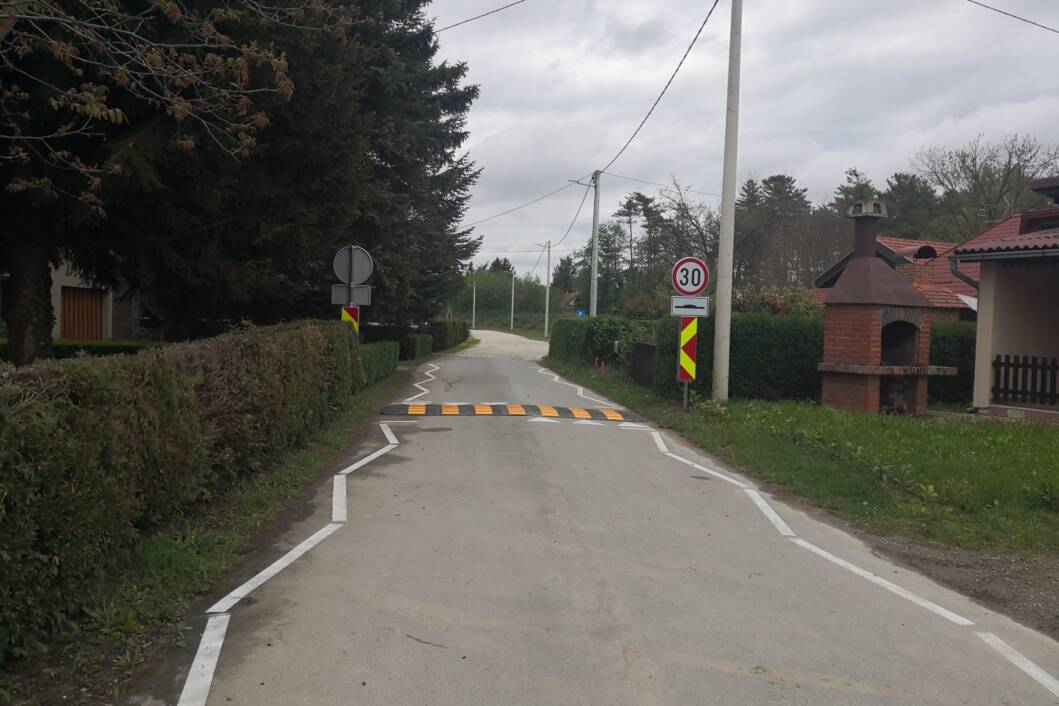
564,273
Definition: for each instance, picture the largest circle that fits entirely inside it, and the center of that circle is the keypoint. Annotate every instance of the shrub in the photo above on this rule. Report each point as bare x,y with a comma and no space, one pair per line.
417,345
379,359
953,343
773,357
72,349
448,333
569,340
94,451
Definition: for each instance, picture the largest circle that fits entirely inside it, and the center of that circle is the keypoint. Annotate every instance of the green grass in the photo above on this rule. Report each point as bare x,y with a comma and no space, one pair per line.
146,604
967,483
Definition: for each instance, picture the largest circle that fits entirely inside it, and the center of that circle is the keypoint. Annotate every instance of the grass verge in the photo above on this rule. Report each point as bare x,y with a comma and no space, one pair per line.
972,484
144,608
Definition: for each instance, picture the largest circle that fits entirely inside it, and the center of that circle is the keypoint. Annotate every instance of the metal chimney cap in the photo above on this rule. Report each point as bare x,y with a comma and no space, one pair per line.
868,209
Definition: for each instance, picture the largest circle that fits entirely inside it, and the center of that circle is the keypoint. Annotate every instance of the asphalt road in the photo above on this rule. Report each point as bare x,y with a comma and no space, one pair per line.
508,560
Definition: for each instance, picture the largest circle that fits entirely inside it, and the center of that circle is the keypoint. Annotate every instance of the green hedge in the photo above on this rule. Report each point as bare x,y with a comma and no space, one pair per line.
448,333
379,359
417,345
72,349
953,343
773,357
589,339
93,452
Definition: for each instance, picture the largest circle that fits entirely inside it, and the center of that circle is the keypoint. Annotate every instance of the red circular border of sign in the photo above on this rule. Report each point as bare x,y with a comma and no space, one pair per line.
690,292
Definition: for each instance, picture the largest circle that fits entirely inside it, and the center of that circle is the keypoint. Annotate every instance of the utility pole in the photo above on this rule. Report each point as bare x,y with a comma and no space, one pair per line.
512,300
474,302
547,287
595,246
722,339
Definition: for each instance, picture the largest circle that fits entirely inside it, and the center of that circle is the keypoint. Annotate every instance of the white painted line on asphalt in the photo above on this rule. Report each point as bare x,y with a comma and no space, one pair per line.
660,442
543,420
767,510
634,426
588,423
200,676
389,434
709,471
338,499
880,581
1022,662
580,390
368,459
429,378
403,421
226,603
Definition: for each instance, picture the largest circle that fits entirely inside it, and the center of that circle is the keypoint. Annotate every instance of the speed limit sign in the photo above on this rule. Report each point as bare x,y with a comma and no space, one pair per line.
690,276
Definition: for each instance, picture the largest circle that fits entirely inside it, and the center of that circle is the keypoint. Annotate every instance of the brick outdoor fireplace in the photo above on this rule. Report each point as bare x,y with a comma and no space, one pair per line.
876,332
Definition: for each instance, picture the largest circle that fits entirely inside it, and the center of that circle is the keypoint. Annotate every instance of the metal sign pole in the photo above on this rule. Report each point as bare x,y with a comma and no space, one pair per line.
350,278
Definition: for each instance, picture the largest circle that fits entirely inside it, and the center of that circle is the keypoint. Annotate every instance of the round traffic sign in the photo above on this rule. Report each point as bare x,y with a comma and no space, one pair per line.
690,276
353,265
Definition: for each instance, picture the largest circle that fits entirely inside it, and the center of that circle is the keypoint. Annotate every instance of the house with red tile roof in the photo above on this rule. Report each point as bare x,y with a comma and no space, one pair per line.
925,264
1017,348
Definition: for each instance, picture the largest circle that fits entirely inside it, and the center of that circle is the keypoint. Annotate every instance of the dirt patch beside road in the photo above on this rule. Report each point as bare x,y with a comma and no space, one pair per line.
1023,587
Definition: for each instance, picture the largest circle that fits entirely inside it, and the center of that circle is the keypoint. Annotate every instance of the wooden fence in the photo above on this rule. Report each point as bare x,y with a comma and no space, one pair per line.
1024,379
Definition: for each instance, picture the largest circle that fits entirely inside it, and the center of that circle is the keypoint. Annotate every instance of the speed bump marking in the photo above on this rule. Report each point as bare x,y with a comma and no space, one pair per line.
509,410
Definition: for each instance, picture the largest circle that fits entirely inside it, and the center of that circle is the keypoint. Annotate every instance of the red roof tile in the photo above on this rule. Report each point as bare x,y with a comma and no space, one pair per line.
900,244
1040,240
941,297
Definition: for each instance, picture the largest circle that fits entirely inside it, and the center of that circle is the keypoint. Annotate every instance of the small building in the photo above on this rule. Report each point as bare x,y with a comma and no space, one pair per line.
87,313
1017,348
925,265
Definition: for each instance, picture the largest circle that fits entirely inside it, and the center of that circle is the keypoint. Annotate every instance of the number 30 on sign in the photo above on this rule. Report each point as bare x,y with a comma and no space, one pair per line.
690,276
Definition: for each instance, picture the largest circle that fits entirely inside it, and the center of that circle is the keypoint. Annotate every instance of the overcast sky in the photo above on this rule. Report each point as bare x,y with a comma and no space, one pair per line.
826,85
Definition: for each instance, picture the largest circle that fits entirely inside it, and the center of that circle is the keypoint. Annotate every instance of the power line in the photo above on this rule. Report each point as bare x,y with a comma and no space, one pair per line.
478,17
583,199
655,183
534,269
522,206
664,89
1012,16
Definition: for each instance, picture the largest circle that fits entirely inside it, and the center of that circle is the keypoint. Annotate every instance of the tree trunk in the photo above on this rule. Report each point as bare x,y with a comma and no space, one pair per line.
29,311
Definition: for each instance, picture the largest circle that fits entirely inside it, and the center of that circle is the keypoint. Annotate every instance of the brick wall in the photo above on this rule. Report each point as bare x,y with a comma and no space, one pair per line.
852,334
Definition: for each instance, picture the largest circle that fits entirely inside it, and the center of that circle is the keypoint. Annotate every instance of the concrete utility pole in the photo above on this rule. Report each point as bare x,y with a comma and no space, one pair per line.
547,287
512,300
595,246
474,302
722,339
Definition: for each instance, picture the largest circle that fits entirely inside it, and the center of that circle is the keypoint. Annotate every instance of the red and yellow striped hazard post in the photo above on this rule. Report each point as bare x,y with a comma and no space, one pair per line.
351,314
687,355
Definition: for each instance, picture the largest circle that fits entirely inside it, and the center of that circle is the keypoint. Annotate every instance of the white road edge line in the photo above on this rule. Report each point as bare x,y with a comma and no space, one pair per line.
580,390
880,581
338,499
368,459
389,434
228,602
1022,662
767,510
709,471
660,442
429,378
200,676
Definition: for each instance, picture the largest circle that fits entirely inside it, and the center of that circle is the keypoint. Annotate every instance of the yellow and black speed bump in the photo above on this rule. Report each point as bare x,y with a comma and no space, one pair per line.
509,410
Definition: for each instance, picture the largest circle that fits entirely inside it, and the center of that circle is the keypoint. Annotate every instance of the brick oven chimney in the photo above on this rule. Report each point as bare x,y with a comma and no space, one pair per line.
867,279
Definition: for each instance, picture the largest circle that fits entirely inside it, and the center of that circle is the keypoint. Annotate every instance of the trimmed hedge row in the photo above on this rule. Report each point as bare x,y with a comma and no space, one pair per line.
773,357
953,343
379,360
93,452
589,339
448,333
72,349
417,345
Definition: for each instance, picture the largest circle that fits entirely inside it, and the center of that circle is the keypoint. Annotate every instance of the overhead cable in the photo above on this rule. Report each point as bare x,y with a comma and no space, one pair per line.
662,186
1013,16
478,17
664,89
